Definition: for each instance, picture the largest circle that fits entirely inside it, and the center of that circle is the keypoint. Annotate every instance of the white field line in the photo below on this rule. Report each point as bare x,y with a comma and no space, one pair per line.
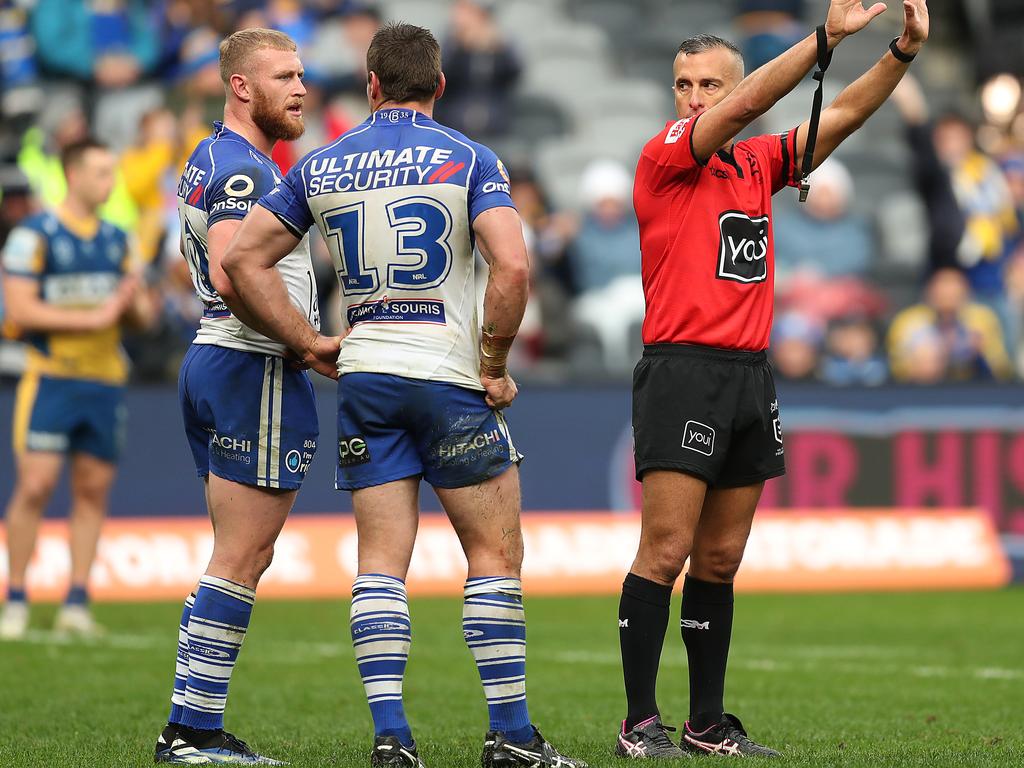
810,657
148,642
777,665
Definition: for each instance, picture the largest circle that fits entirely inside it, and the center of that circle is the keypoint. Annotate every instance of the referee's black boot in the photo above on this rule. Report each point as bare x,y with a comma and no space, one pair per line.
726,737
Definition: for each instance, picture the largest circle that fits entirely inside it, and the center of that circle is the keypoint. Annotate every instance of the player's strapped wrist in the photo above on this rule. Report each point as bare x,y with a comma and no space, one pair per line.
494,354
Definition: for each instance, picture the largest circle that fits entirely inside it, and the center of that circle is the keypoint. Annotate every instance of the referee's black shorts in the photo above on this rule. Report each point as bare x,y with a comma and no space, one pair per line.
708,412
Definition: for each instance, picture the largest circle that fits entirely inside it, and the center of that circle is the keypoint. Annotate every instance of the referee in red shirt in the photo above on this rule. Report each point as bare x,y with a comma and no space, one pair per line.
705,416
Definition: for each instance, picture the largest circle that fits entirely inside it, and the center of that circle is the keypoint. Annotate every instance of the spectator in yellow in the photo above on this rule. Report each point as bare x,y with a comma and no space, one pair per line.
151,169
947,337
985,200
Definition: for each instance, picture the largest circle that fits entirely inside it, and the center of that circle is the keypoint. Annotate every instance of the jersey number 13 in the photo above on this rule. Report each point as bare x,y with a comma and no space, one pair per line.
420,258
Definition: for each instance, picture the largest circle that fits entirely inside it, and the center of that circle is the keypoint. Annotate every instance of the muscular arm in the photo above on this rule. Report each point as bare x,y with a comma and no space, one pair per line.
763,87
499,235
249,262
859,100
217,240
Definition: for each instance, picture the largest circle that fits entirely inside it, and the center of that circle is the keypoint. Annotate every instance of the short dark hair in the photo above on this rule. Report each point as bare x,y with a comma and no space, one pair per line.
407,60
701,43
73,153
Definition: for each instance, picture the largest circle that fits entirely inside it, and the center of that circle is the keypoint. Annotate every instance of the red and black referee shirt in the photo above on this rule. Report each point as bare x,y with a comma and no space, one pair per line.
706,243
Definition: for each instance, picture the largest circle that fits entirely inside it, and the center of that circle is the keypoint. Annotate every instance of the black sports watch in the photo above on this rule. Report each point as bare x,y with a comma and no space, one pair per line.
906,58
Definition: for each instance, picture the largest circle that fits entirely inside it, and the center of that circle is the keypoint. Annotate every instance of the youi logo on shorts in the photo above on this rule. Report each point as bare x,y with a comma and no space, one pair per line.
699,437
743,248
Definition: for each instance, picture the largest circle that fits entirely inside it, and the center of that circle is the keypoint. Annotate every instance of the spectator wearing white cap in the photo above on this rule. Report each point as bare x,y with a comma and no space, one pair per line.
824,236
607,245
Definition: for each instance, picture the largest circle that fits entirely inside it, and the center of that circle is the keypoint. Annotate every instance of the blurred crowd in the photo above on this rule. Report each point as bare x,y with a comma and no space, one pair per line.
143,76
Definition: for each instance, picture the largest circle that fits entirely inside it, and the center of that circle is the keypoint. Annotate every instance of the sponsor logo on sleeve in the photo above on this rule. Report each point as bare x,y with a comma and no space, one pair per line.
743,248
676,131
239,185
233,204
353,451
699,437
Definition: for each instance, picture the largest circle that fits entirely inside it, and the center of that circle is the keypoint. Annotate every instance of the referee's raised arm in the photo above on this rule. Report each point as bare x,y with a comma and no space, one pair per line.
859,100
759,91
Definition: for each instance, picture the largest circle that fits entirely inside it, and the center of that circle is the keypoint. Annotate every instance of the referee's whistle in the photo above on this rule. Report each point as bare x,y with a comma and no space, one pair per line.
805,187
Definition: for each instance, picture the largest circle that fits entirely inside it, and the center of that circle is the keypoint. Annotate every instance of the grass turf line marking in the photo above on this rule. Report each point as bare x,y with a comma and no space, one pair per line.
774,665
130,642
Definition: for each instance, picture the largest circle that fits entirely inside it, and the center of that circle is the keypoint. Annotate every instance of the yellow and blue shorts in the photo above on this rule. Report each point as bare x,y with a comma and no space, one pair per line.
58,415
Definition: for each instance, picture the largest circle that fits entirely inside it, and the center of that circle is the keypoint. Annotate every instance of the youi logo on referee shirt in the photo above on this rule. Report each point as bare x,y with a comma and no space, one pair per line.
743,248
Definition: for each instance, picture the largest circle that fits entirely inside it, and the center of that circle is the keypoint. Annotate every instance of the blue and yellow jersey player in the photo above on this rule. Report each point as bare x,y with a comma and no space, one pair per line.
68,286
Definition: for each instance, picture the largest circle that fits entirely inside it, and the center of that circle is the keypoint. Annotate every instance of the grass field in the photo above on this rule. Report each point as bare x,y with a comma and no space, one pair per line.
844,680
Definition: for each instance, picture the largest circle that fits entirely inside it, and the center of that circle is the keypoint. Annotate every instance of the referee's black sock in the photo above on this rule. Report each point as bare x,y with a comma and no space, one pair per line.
643,619
706,627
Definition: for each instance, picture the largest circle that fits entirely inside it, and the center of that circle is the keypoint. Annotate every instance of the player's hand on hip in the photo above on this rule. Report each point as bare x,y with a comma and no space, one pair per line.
915,26
500,392
322,355
847,17
295,362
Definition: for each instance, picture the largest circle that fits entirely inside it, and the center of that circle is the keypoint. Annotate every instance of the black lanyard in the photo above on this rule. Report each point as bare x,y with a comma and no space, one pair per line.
824,59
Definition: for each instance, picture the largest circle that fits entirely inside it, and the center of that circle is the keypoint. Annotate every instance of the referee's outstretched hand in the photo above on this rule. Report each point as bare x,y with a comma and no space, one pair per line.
500,392
847,17
915,25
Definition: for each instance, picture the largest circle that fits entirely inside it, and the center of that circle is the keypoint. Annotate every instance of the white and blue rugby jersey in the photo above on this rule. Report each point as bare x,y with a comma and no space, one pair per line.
223,178
395,199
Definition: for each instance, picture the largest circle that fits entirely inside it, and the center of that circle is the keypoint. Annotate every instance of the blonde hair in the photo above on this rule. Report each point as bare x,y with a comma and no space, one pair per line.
236,49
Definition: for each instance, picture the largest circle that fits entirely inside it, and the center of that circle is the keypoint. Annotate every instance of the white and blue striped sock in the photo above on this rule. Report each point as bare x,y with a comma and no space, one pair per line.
494,626
381,637
181,663
216,629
